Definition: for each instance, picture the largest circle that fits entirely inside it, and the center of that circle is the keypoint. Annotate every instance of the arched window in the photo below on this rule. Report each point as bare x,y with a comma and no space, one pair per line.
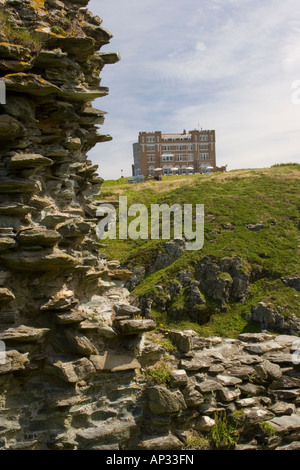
167,169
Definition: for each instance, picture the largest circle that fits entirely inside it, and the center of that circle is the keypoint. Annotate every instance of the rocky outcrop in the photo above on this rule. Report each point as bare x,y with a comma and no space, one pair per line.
223,279
270,318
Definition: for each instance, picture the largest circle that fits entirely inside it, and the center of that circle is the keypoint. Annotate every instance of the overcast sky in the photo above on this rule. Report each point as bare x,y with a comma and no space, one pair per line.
228,65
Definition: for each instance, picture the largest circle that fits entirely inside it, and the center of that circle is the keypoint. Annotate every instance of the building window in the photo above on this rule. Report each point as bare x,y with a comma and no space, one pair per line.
184,169
179,157
190,157
150,147
178,147
151,158
190,147
150,139
204,156
166,147
204,146
151,170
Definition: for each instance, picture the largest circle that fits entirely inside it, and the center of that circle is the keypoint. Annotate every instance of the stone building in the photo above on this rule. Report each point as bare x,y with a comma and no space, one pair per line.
186,153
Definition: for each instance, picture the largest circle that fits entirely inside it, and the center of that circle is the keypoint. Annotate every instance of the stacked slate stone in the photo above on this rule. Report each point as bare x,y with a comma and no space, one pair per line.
251,384
62,306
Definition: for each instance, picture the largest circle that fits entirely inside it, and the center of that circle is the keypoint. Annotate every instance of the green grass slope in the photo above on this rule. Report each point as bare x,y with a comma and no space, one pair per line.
232,200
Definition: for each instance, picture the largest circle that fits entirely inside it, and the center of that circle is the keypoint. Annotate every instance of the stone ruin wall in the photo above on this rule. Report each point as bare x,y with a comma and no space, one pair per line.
76,345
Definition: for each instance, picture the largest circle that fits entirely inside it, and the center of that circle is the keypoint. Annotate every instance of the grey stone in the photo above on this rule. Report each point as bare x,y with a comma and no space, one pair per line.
262,348
14,361
255,415
29,160
228,395
205,423
228,380
72,371
10,128
286,424
282,408
79,343
209,386
268,371
38,236
126,309
24,334
163,442
130,327
179,377
192,396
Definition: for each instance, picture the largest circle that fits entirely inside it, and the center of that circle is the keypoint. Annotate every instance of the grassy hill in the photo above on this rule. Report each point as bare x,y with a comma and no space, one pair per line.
233,201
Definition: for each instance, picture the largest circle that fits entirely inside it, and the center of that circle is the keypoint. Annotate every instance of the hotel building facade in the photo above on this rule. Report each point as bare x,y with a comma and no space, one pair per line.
186,153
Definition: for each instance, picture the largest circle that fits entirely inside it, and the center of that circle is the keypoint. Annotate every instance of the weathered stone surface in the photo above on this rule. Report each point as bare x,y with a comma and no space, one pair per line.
107,432
205,423
262,348
63,300
29,83
192,397
38,236
13,361
228,380
255,416
24,334
126,309
179,378
69,318
73,371
10,128
282,408
228,395
182,339
18,185
169,442
79,343
268,371
39,261
285,424
29,160
209,386
129,327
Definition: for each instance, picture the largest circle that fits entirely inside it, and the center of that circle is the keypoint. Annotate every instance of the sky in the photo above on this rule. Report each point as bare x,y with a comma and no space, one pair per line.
228,65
